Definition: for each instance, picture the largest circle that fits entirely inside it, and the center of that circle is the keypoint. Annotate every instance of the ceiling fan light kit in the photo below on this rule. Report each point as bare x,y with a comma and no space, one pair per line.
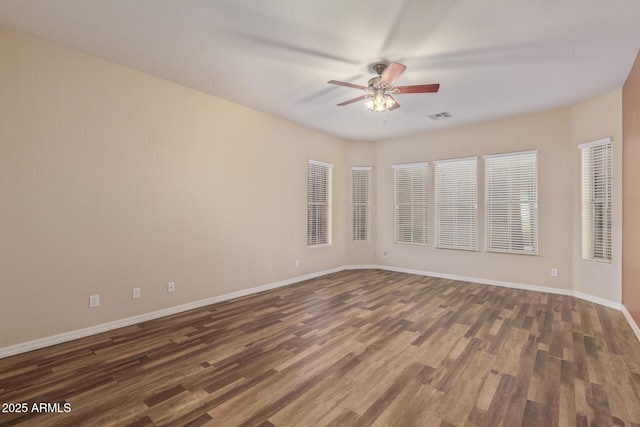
380,102
379,99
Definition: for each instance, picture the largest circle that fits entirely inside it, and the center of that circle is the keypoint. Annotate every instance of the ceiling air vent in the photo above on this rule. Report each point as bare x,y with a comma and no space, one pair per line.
438,116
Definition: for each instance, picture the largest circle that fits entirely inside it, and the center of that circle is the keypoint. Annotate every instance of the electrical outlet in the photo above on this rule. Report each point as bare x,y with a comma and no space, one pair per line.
135,293
171,287
554,272
297,263
384,254
94,301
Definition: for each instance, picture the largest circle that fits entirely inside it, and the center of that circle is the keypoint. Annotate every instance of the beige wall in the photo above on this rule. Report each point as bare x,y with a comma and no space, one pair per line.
549,133
112,179
631,200
591,120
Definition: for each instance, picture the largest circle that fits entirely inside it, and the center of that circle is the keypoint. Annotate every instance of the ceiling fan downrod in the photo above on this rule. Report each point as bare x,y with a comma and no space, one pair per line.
379,68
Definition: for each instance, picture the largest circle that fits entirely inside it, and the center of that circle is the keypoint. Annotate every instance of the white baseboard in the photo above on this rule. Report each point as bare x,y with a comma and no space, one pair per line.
632,323
363,267
597,300
479,280
92,330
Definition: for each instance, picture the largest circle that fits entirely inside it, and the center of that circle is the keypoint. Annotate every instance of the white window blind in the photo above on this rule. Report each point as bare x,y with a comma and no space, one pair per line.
360,188
318,203
511,202
411,203
456,204
596,200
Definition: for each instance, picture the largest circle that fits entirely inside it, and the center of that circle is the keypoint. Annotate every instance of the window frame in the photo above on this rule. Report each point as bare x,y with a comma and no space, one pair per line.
361,200
456,203
326,202
421,204
588,201
508,203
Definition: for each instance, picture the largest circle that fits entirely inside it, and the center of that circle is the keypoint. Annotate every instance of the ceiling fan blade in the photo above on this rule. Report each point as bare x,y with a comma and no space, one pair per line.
351,101
335,82
416,88
395,104
391,74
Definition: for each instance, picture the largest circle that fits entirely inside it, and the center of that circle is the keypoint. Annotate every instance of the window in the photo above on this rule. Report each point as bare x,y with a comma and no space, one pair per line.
318,203
596,200
411,203
511,195
456,204
360,188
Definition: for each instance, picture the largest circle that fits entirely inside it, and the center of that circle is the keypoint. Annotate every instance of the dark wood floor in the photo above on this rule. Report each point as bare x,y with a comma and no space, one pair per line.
363,347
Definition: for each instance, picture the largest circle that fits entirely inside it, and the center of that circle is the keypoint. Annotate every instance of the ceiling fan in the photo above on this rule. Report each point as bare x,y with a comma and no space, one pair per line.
381,88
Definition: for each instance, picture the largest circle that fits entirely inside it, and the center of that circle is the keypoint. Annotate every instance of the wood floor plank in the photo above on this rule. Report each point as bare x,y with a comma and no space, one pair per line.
412,405
567,406
353,348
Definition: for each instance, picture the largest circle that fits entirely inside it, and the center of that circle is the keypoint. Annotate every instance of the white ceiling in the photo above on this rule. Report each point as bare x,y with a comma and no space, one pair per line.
492,58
